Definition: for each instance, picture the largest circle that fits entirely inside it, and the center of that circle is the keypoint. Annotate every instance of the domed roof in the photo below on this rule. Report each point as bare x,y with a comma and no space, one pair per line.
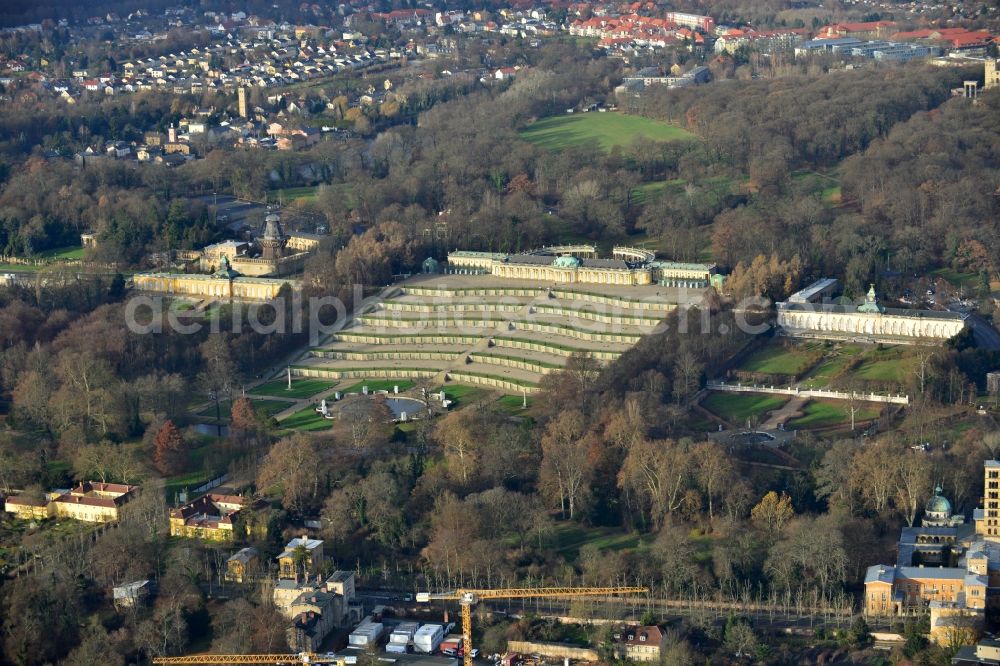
938,504
566,262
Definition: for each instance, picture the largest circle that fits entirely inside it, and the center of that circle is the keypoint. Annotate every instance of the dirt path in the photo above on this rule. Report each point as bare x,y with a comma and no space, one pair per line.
785,413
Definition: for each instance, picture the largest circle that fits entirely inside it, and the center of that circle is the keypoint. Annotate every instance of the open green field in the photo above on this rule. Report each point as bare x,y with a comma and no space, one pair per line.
720,186
774,359
62,253
307,419
380,385
828,413
738,407
301,388
290,194
824,185
263,408
956,278
18,268
608,129
570,538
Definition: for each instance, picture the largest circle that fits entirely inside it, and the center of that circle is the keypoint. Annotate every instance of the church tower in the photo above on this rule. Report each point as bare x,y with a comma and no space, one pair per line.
242,97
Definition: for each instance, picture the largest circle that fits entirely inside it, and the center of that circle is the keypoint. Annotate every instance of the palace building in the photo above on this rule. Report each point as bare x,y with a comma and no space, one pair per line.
802,317
944,565
579,264
225,283
242,270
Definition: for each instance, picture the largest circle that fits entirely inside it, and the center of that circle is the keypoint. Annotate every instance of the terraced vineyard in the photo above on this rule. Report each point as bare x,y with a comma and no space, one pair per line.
505,334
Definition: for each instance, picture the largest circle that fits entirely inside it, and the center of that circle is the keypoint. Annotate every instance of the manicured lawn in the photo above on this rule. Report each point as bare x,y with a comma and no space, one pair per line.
513,404
821,375
776,360
738,407
823,413
301,388
307,419
886,368
608,129
380,385
262,407
462,394
570,538
66,253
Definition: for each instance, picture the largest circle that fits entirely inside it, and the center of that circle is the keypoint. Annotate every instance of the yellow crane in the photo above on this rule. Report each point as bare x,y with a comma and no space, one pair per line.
465,597
468,598
300,658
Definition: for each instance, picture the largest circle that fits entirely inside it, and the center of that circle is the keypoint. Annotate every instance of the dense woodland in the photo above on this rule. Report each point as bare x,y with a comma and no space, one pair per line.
478,497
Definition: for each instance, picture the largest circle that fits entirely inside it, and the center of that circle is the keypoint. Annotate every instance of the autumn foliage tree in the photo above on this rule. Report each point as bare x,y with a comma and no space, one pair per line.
244,418
168,449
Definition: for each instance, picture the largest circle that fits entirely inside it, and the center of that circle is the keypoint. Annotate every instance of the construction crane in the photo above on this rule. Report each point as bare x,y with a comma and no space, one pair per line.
300,658
469,598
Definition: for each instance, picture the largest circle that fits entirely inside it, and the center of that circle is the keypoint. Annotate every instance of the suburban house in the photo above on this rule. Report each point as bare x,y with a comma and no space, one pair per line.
639,643
309,550
242,565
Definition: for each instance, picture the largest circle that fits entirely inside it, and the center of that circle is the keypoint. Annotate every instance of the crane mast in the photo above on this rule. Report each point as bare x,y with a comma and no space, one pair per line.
467,598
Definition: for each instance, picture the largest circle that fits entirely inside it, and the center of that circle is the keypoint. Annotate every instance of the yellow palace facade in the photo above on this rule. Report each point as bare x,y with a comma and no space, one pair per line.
223,284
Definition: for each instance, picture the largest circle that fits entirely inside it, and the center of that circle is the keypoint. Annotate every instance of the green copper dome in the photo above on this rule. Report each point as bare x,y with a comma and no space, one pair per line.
566,262
938,504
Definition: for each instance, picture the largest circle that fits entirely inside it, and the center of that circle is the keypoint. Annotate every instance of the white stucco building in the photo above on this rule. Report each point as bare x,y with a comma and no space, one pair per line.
869,322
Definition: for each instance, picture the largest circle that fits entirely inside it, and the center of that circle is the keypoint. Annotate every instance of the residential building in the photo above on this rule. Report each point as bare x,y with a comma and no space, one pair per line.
28,508
94,502
639,643
212,517
88,501
301,555
316,606
243,565
984,653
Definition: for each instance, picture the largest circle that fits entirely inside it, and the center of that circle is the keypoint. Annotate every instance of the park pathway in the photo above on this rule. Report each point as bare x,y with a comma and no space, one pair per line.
785,413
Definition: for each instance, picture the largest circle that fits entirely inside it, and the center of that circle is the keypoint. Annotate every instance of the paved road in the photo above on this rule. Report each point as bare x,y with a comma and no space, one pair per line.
985,335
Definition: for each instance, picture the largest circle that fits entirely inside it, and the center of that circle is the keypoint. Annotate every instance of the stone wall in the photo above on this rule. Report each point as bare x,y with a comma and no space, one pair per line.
556,350
556,650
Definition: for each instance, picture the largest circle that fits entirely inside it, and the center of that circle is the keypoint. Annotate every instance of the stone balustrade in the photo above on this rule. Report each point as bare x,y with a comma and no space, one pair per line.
808,393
